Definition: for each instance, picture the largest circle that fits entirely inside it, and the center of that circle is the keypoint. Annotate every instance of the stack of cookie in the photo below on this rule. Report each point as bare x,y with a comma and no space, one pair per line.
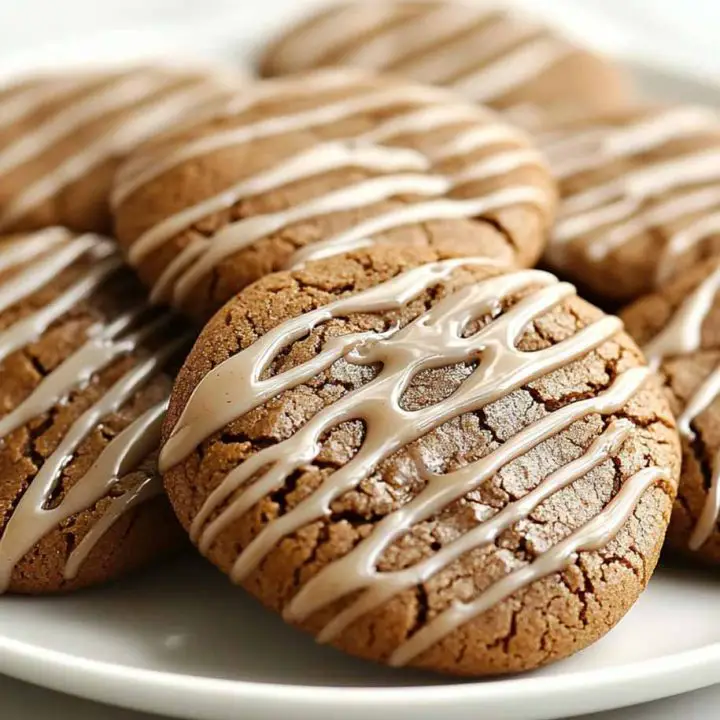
392,429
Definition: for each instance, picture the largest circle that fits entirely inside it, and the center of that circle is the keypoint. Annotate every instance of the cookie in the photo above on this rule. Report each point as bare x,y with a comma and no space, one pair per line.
82,398
425,462
640,198
63,136
679,326
320,164
486,54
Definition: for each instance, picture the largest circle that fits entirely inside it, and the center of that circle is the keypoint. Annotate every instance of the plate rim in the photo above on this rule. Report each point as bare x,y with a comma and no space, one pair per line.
679,672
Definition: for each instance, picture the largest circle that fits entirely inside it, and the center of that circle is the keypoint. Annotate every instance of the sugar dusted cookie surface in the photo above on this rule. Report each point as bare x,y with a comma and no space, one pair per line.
314,165
486,54
679,326
425,462
640,198
63,135
82,397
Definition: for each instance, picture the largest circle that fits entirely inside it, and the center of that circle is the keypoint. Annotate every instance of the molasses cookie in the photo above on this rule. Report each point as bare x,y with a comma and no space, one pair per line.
640,198
426,462
319,164
62,137
82,397
486,54
679,326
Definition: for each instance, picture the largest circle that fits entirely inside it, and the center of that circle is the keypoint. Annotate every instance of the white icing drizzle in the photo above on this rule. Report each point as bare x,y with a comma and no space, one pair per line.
434,339
450,209
25,101
443,65
485,53
688,238
406,173
682,335
130,92
26,248
120,94
31,519
145,122
306,164
416,36
605,217
333,30
271,127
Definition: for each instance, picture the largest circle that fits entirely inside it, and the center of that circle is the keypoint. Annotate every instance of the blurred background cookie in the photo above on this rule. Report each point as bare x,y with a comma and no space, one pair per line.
640,198
679,326
321,163
82,396
493,56
63,135
424,462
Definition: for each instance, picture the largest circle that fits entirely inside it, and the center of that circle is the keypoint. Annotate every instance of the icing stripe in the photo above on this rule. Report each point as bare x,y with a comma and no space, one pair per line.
594,535
146,121
41,272
120,94
452,64
398,179
16,252
30,521
419,213
641,199
24,102
31,328
682,335
395,45
129,182
378,588
40,259
485,53
306,164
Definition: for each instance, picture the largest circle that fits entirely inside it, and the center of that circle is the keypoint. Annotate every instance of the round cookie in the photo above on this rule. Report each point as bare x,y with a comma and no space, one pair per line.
82,397
424,462
486,54
640,198
62,137
319,164
679,326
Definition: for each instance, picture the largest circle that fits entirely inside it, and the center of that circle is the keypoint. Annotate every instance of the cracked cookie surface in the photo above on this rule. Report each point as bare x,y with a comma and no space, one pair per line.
424,461
501,59
680,327
318,164
63,135
82,393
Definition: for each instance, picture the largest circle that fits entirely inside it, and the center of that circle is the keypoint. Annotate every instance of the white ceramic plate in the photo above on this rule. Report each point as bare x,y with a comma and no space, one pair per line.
181,641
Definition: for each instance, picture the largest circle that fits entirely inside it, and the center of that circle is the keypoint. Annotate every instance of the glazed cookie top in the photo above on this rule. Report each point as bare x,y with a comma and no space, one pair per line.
679,327
319,164
82,397
398,451
485,53
62,136
640,197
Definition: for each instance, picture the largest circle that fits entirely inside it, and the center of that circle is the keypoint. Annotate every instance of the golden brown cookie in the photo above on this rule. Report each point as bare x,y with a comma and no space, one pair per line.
82,397
679,326
319,164
424,462
62,137
486,54
640,198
